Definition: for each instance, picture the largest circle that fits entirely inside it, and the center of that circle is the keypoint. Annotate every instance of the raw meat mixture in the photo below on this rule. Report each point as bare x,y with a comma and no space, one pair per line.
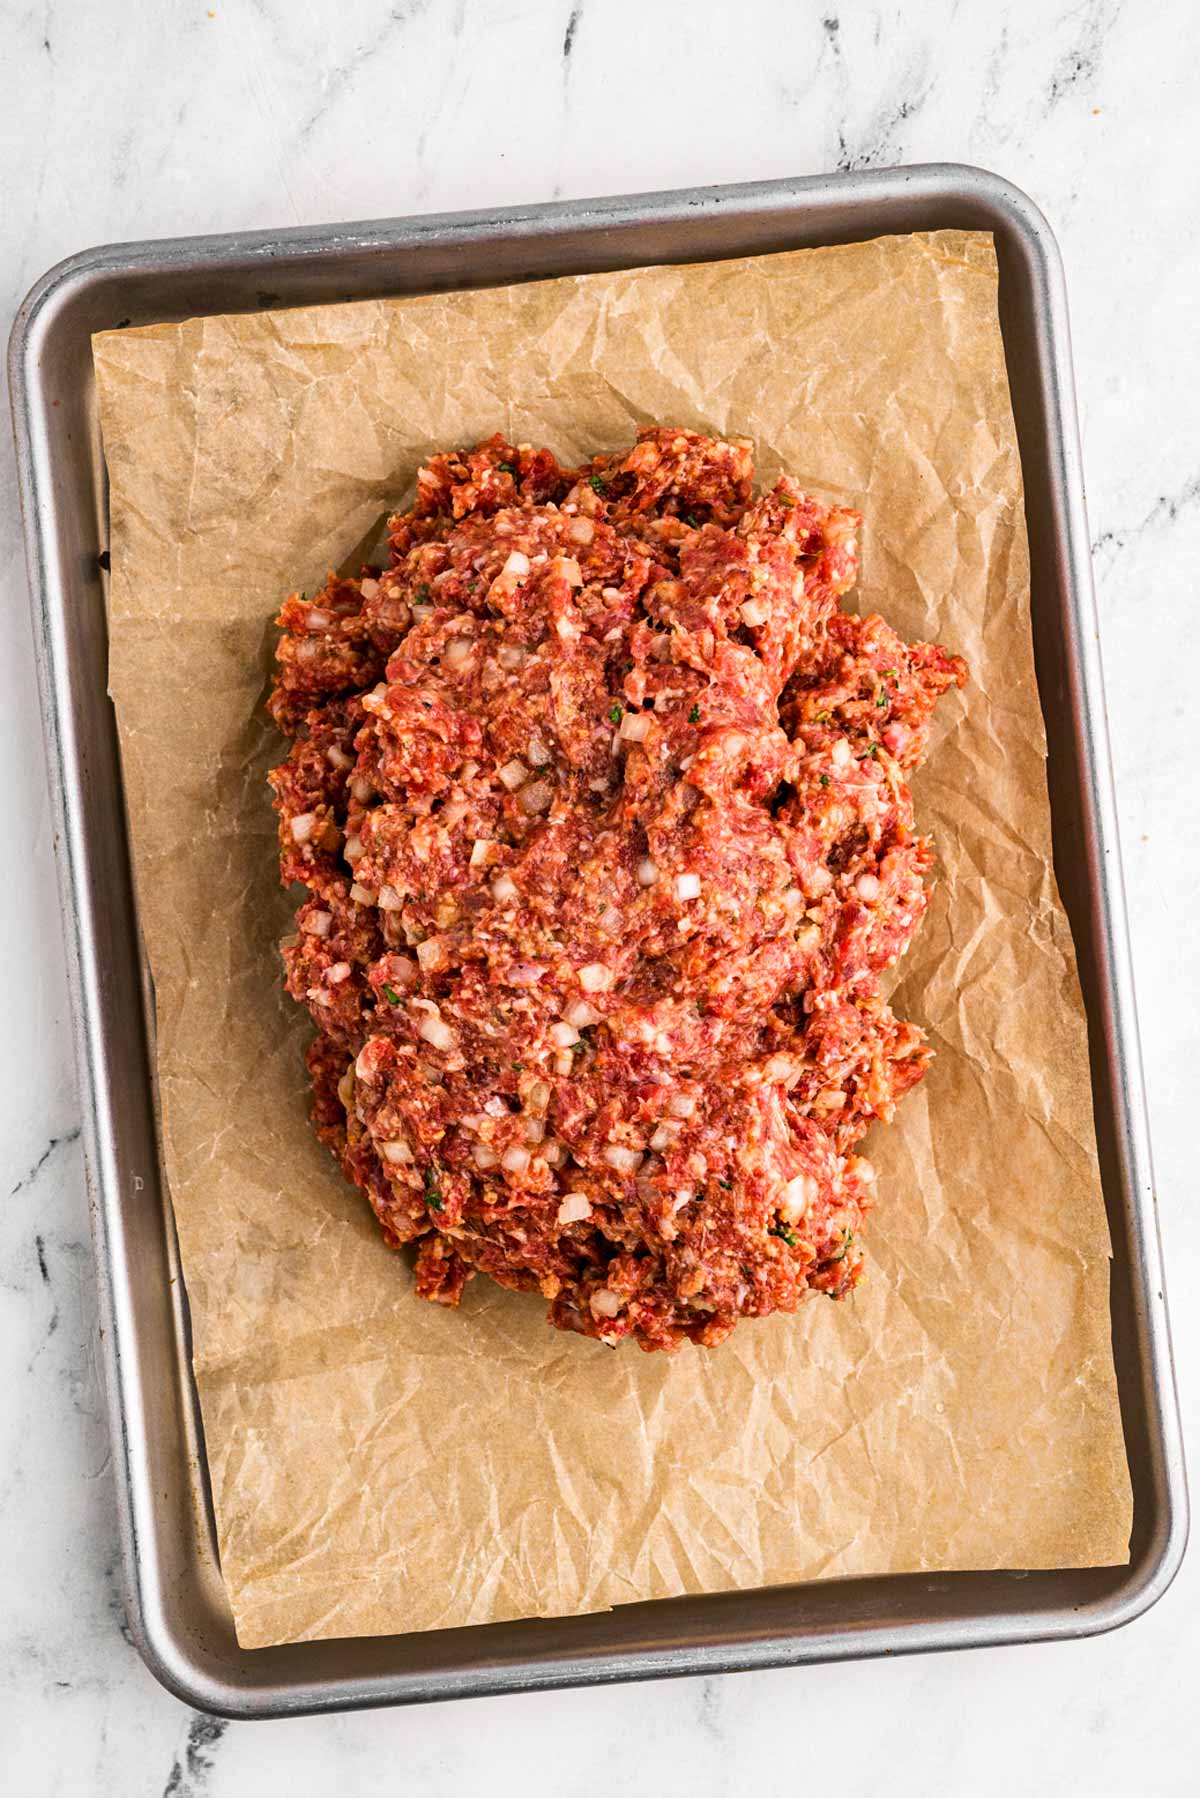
600,803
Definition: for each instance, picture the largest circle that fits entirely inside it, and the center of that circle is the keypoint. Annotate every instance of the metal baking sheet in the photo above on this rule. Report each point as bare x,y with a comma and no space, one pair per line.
175,1599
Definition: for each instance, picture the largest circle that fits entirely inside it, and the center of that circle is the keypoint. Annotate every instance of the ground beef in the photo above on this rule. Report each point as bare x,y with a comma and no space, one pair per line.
599,801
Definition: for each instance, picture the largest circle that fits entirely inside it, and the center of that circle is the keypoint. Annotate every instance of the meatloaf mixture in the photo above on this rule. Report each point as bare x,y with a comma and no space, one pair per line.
599,800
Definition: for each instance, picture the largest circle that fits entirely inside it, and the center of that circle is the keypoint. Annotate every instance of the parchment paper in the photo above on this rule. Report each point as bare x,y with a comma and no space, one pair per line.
377,1463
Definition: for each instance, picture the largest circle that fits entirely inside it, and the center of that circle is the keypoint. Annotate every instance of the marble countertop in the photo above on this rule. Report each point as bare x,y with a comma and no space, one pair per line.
158,120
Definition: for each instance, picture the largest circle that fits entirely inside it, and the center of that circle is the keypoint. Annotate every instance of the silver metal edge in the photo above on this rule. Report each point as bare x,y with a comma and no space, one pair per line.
1164,1554
165,1652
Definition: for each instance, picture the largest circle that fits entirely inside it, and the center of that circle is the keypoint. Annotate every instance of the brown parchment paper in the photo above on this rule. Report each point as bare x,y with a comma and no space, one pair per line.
377,1463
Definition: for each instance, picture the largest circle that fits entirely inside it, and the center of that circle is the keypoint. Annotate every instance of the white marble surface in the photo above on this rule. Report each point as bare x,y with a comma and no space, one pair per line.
157,118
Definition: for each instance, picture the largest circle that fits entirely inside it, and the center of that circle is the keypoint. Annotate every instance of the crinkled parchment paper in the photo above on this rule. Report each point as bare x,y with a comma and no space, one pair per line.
379,1464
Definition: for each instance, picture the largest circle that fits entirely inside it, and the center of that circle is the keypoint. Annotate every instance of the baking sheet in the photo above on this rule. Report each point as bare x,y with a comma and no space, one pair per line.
378,1465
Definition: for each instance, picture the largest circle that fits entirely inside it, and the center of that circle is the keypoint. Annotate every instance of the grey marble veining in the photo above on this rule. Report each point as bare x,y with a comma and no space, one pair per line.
154,120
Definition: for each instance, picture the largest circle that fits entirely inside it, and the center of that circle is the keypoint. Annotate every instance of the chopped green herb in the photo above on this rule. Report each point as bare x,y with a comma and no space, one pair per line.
689,518
597,484
785,499
789,1236
824,780
873,751
433,1192
304,596
472,586
725,1185
824,717
615,714
882,700
391,995
507,468
694,715
518,1067
423,595
889,674
846,1241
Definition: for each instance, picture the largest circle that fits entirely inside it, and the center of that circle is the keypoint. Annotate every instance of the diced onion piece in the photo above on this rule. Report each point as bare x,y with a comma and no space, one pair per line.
539,1095
399,970
516,1159
817,880
831,1100
581,530
570,570
867,887
563,1036
552,1152
345,1088
683,1197
481,849
526,973
317,620
843,756
390,900
593,977
353,850
536,797
861,1168
339,972
336,756
581,1014
458,652
647,871
534,1129
362,895
303,825
574,1208
432,954
754,611
564,1063
504,890
687,886
623,1159
611,919
437,1032
368,587
397,1152
483,1155
513,775
517,564
318,923
495,1106
635,727
681,1105
510,656
537,752
361,788
421,613
605,1303
663,1137
797,1196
